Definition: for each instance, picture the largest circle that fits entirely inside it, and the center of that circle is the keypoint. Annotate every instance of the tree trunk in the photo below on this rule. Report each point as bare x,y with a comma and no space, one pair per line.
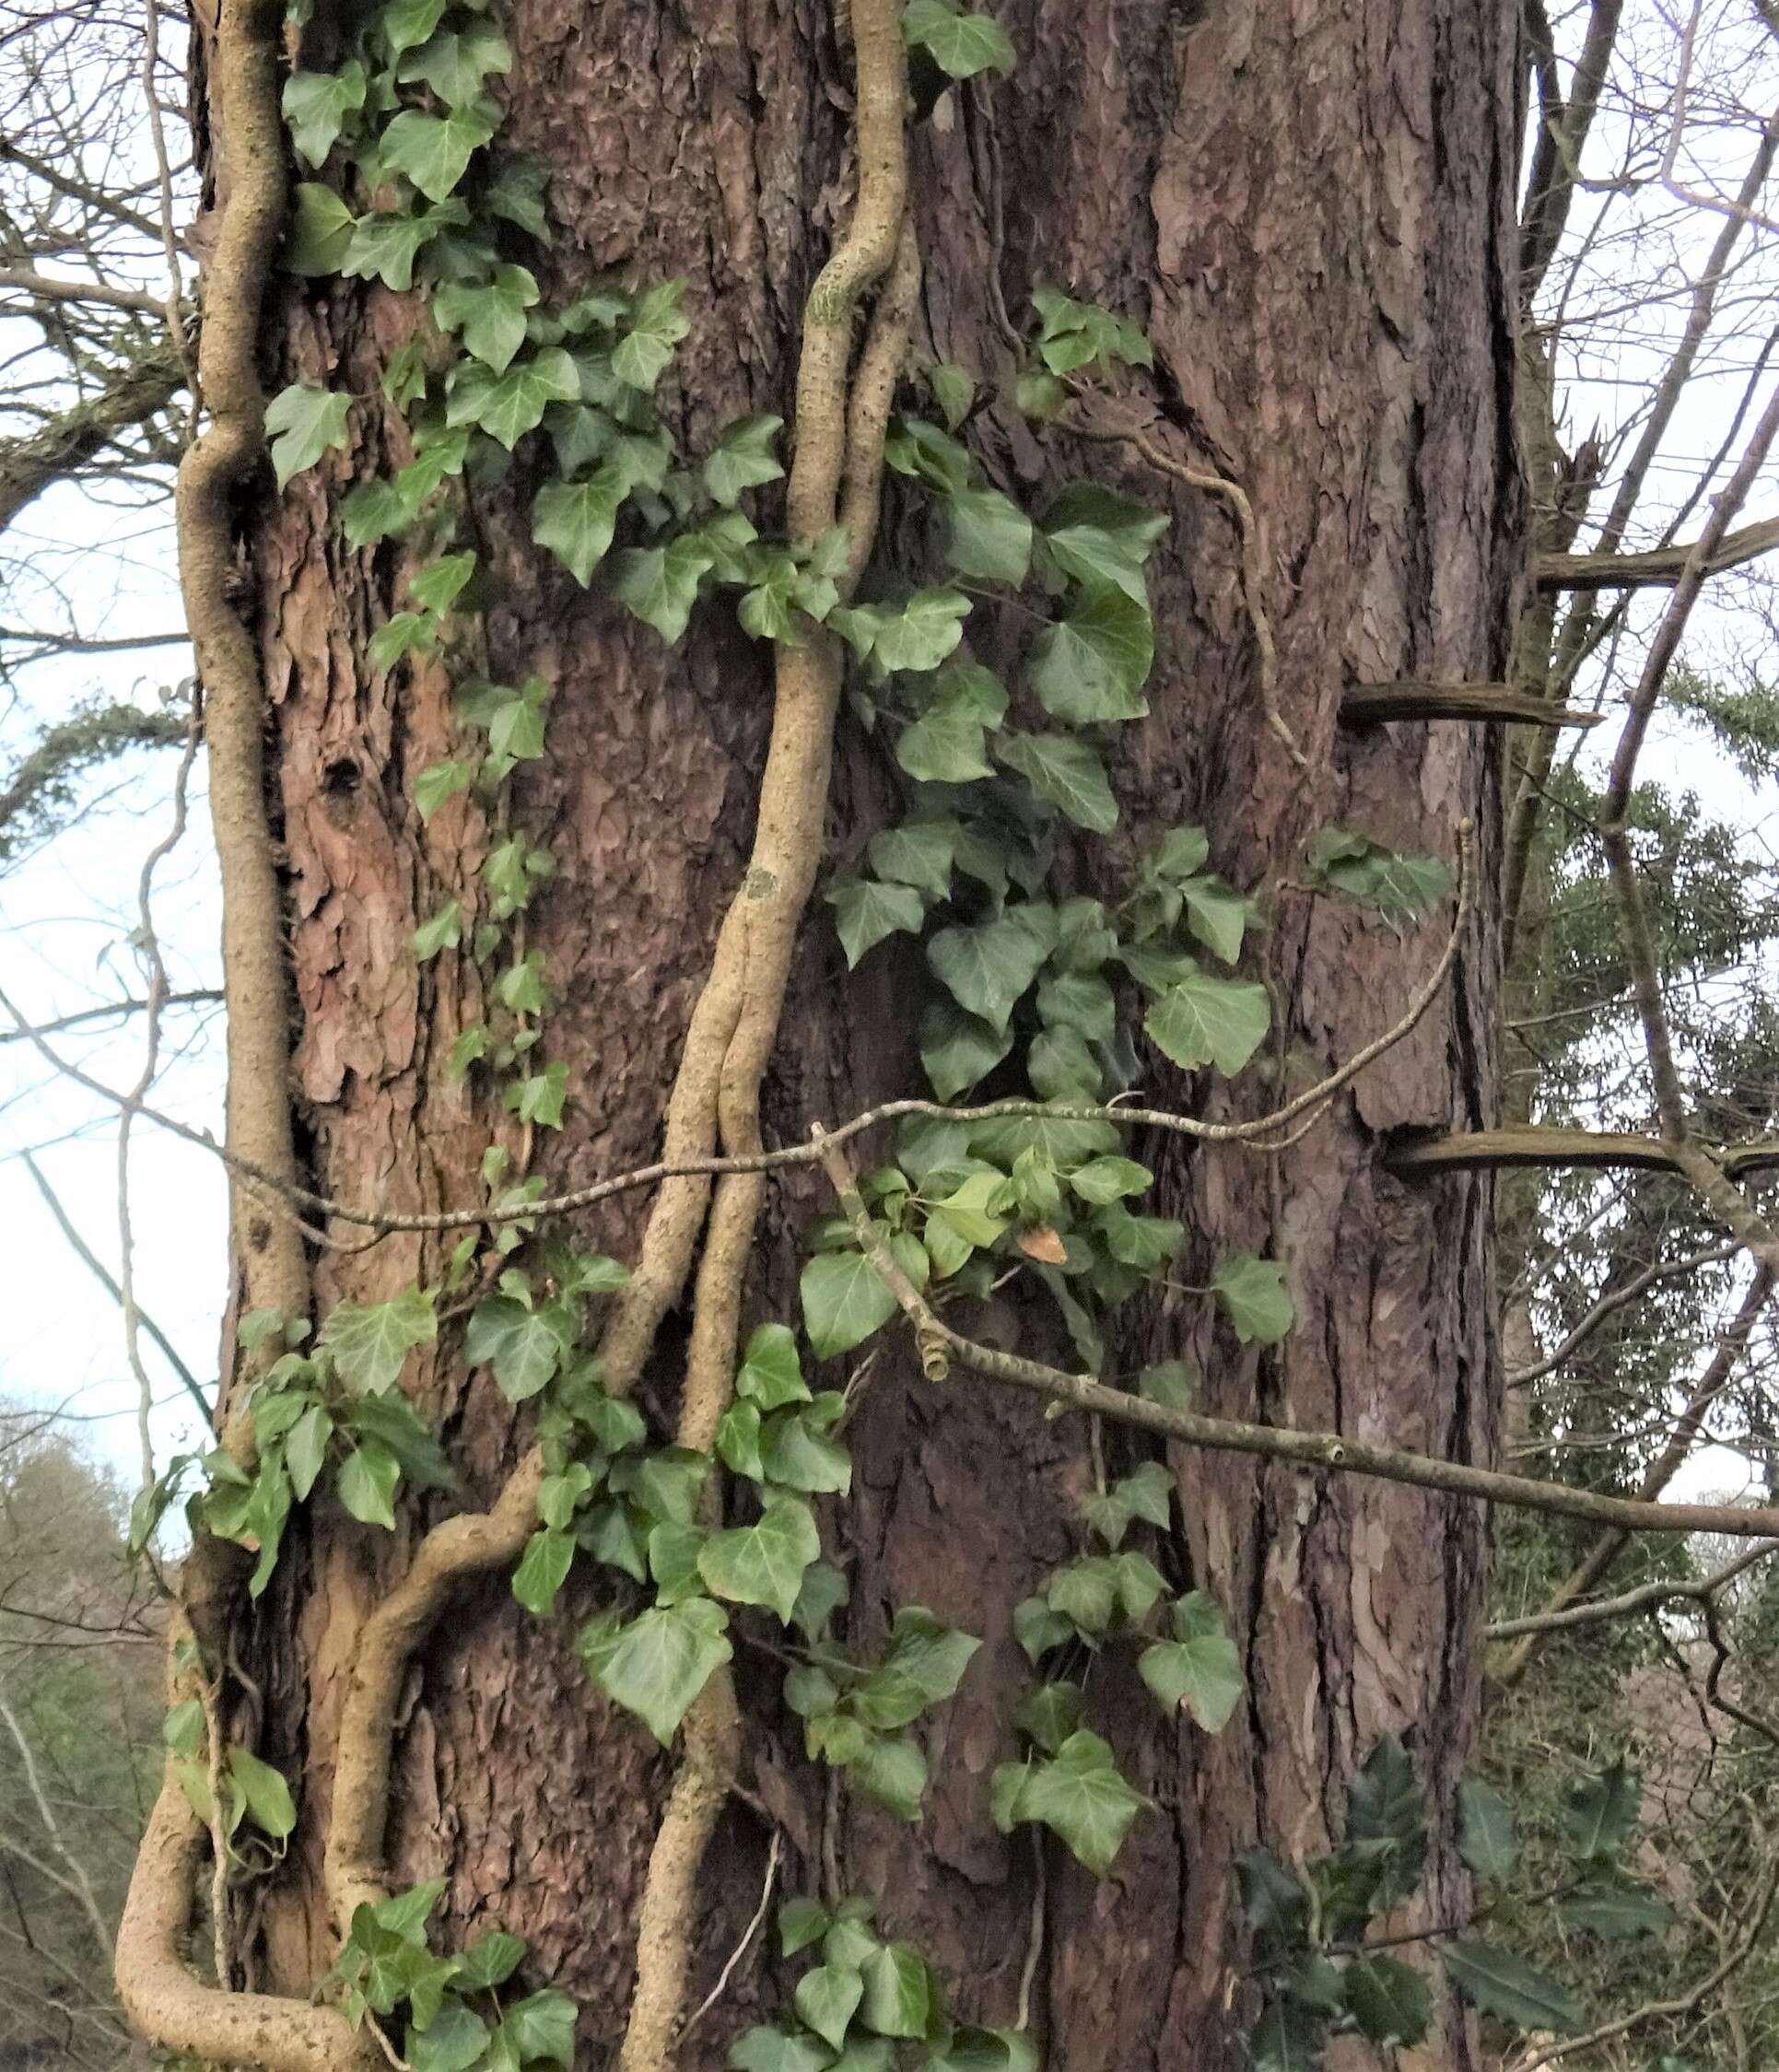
1309,208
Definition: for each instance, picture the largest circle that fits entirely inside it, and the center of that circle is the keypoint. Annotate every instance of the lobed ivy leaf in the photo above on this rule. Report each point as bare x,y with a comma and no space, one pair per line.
657,325
367,1484
961,45
987,968
771,1375
988,536
957,1049
1079,1794
763,1563
844,1302
385,245
660,584
320,231
917,853
742,458
305,422
316,105
954,390
1099,537
1092,666
1255,1299
490,317
370,1344
1066,774
1201,1669
455,63
827,1998
866,912
657,1664
524,1347
543,1570
1203,1020
509,406
576,520
433,152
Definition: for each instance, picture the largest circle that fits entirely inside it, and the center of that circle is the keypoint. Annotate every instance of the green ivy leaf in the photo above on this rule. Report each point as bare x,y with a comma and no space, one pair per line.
770,2050
524,1347
656,327
988,536
918,853
763,1563
490,317
1201,1669
576,519
455,63
305,422
826,2000
771,1375
543,1569
316,105
1255,1298
434,151
961,45
844,1302
368,1479
954,390
455,2039
865,912
1108,1179
945,745
370,1344
799,1457
1097,536
1092,665
1080,1795
509,406
657,1664
444,932
1501,1984
266,1794
898,1991
305,1450
1217,915
541,2026
1209,1021
385,245
440,781
659,585
516,194
1066,774
743,457
320,232
958,1050
987,968
1170,1383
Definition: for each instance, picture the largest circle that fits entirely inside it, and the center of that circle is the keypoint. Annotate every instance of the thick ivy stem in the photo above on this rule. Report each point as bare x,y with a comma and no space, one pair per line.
839,427
159,1993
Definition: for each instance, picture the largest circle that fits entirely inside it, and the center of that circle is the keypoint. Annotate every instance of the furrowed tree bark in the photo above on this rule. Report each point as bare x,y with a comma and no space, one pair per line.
1223,179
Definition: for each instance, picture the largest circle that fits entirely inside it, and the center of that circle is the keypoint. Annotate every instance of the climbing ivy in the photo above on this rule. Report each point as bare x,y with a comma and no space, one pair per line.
998,679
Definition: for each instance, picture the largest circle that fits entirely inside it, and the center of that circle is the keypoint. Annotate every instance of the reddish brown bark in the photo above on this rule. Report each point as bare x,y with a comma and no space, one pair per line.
1309,208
